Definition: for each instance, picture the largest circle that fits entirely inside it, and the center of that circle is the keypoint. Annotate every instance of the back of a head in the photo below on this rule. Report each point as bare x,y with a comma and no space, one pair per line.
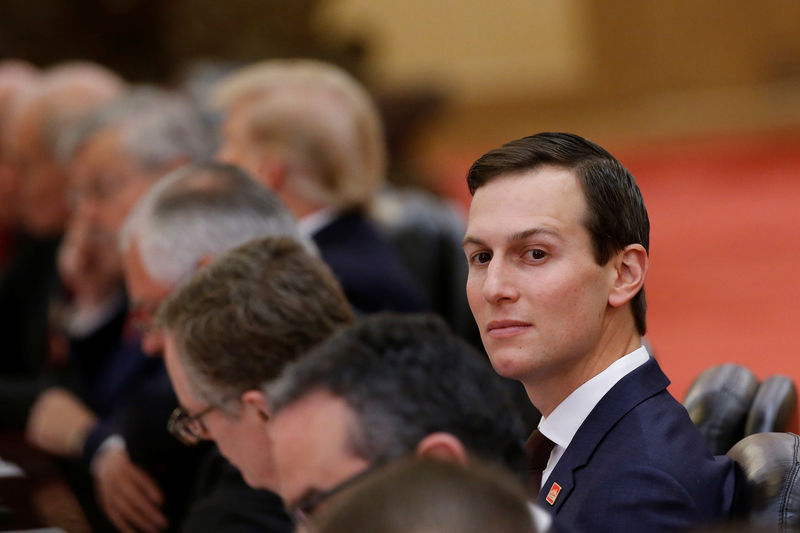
156,128
406,377
200,211
248,313
334,97
413,496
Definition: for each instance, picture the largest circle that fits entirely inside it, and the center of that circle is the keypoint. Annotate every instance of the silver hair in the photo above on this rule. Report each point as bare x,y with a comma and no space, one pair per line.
156,128
68,93
199,211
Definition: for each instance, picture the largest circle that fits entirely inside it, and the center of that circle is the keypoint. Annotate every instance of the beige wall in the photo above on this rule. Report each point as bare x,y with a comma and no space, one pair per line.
475,49
624,67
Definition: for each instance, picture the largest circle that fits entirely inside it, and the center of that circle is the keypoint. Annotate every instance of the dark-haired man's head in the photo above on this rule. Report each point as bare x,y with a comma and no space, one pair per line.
233,327
390,386
557,244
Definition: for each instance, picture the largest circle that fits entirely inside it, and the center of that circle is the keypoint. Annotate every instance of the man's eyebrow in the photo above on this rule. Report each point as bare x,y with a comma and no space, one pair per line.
472,240
515,237
541,230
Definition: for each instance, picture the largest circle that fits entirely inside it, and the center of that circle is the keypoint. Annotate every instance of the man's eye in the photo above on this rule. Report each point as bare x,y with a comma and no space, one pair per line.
537,254
481,258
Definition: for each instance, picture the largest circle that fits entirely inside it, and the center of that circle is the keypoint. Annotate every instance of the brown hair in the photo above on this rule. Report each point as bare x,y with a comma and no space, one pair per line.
244,316
425,496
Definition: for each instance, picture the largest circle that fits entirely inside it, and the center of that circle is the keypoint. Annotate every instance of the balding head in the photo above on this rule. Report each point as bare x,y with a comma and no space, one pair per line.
64,96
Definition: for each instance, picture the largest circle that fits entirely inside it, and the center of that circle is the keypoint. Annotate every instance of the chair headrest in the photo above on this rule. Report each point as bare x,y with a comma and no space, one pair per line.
718,402
771,464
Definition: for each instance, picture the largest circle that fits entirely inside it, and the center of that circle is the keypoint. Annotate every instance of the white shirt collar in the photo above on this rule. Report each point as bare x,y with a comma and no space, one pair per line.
565,420
312,223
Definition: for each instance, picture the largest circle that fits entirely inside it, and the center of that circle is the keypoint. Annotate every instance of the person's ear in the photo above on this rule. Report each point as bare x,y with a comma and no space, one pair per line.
630,270
255,399
442,445
271,171
203,261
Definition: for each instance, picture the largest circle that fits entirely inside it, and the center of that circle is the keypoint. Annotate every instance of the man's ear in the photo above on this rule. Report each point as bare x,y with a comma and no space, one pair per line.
442,445
203,261
630,270
271,171
256,400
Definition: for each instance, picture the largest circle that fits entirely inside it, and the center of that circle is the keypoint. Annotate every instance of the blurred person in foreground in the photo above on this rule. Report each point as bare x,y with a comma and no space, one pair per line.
61,97
557,244
233,328
388,387
311,133
429,496
185,220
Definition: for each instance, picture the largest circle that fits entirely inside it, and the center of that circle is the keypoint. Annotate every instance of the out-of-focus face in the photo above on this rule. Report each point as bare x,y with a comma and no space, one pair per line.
106,183
242,438
9,188
538,296
146,294
13,84
43,184
311,447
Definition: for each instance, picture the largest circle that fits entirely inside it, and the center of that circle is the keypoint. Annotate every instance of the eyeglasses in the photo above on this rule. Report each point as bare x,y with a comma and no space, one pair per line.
304,509
187,428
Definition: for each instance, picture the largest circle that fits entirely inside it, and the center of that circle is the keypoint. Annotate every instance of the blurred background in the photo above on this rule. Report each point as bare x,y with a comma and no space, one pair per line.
700,99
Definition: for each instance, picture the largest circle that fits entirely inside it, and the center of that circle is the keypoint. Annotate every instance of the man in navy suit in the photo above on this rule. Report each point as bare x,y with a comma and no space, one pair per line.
557,244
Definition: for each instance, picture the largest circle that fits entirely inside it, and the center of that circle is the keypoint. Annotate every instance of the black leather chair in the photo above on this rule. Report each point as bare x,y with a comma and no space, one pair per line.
774,408
718,402
771,466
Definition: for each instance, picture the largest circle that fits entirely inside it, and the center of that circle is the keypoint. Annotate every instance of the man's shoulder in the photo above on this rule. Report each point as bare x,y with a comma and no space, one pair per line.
226,503
646,460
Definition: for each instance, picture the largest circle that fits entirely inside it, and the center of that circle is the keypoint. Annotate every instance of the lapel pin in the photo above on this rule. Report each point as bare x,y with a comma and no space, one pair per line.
553,494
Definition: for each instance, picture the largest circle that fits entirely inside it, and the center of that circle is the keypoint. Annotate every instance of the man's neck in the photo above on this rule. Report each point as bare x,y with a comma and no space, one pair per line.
546,392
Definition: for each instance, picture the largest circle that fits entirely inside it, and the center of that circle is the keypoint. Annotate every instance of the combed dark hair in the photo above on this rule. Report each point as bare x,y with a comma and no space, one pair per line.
616,215
406,377
244,316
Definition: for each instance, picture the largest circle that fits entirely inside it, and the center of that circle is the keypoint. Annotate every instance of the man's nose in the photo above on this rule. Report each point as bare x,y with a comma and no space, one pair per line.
499,285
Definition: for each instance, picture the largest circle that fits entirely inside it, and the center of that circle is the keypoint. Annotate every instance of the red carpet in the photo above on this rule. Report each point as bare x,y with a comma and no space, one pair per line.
725,250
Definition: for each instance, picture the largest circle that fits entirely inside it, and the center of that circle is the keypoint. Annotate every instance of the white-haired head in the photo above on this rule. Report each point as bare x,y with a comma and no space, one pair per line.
200,211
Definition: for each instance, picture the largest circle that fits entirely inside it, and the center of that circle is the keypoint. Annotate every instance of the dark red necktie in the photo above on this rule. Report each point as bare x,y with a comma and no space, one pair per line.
537,452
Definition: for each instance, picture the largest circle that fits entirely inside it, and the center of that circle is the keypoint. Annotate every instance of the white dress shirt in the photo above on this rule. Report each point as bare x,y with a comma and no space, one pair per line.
565,420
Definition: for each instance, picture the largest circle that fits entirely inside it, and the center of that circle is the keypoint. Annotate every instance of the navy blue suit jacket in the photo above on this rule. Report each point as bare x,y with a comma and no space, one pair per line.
637,463
364,262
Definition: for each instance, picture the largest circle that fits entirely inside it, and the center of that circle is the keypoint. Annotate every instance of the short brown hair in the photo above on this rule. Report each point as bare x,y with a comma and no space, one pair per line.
616,215
425,496
244,316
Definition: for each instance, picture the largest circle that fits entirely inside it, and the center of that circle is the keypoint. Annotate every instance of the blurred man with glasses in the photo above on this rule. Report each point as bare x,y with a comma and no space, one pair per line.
234,327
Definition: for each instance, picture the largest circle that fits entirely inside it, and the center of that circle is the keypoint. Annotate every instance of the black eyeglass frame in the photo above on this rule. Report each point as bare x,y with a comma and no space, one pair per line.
181,423
302,511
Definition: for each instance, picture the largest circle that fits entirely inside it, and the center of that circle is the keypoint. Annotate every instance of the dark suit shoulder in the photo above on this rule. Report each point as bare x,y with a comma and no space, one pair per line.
225,503
365,263
637,463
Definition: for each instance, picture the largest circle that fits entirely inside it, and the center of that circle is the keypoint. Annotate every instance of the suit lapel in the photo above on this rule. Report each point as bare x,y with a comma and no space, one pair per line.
642,383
